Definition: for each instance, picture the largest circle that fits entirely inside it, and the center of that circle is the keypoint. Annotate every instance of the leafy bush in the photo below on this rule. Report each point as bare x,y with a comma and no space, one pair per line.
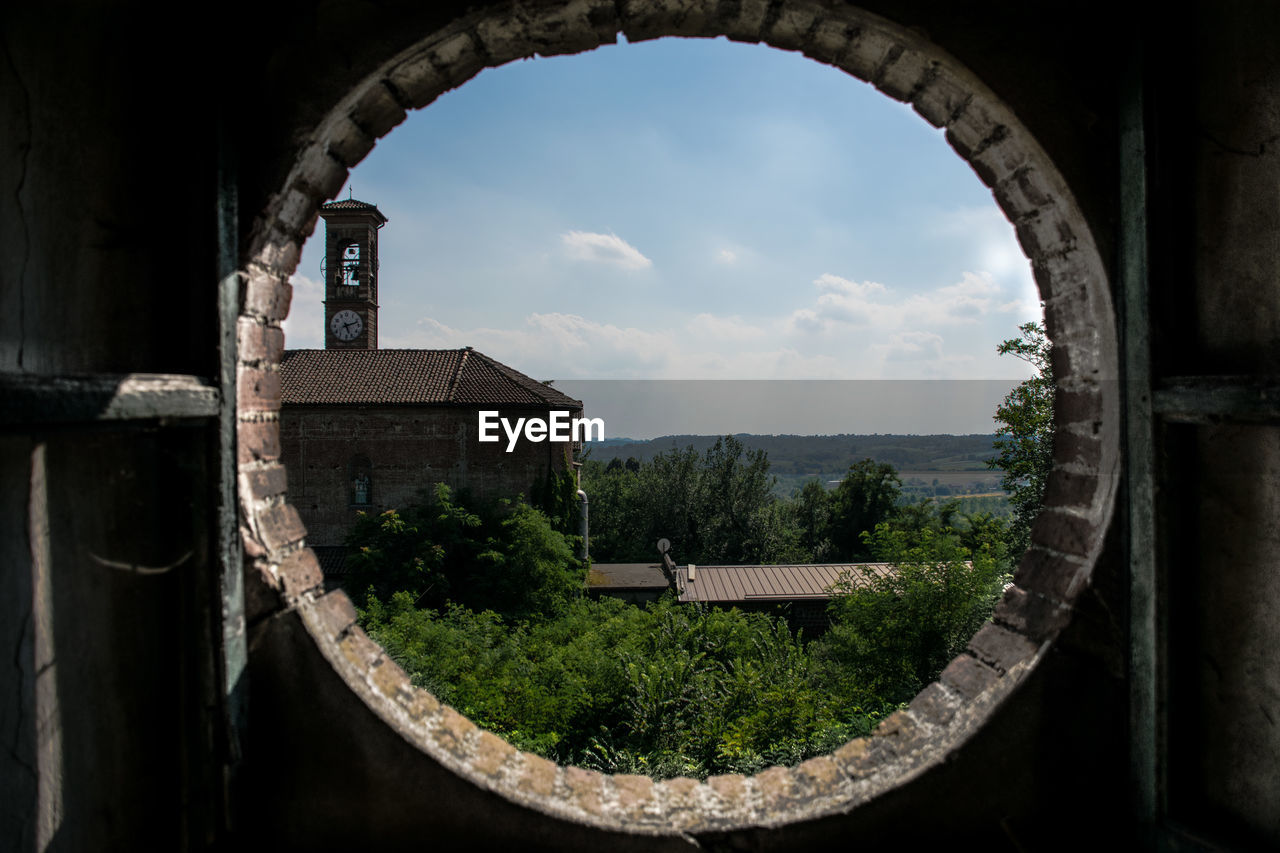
892,634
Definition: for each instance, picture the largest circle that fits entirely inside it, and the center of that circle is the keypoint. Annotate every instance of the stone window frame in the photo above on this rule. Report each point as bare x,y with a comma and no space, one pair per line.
1066,539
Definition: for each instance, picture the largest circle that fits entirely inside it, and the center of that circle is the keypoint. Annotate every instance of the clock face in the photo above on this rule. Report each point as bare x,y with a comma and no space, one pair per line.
346,325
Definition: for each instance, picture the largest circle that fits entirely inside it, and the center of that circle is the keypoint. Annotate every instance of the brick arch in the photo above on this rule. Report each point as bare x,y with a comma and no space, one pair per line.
1066,539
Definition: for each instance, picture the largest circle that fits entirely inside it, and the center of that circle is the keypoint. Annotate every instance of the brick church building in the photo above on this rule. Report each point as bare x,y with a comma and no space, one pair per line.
365,429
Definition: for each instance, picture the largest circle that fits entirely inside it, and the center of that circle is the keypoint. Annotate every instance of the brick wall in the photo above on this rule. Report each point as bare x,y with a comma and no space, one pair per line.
408,448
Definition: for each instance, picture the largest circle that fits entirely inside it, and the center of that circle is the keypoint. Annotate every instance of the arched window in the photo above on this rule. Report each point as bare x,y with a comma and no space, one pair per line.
350,273
360,481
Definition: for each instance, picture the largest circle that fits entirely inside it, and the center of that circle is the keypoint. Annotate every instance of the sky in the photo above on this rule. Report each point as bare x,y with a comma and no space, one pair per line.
686,209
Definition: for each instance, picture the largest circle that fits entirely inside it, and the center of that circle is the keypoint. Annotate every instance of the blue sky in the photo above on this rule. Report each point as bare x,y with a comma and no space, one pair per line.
685,209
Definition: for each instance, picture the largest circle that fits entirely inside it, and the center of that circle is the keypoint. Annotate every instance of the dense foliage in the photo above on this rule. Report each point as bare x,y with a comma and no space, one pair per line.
665,691
484,604
1024,439
505,556
485,608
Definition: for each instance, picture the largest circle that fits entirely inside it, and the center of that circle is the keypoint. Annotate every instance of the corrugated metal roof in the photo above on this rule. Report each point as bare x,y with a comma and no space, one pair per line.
406,376
716,584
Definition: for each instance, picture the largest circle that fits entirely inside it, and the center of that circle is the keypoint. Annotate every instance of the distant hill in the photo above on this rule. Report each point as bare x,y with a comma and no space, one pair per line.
819,454
928,464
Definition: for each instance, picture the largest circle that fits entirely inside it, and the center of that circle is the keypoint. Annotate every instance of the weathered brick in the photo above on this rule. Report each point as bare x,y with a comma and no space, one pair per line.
1023,192
910,72
266,296
258,441
934,705
491,753
731,788
253,548
1046,573
968,676
1082,406
377,111
585,789
347,142
1031,615
679,792
297,212
420,704
774,786
389,678
358,649
257,390
334,613
830,41
792,29
1069,488
871,51
570,27
898,725
279,526
320,172
263,483
1076,449
1041,235
1004,156
258,342
650,19
452,730
1000,648
820,772
743,20
1059,530
417,80
634,792
300,571
276,250
537,775
942,100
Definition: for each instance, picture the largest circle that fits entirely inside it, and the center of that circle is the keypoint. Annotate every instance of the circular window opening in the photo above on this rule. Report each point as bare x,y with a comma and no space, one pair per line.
1065,538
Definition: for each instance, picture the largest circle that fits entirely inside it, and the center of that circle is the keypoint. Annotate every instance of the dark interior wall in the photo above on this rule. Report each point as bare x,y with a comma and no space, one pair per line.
108,165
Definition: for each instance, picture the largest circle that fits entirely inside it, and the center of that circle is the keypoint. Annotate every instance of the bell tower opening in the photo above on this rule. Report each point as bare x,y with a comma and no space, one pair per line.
350,273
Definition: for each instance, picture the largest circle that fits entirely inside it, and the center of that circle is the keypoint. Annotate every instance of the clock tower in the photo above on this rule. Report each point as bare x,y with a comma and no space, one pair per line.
350,273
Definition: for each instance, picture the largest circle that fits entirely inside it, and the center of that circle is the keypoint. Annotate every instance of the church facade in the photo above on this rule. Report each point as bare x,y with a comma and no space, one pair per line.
364,429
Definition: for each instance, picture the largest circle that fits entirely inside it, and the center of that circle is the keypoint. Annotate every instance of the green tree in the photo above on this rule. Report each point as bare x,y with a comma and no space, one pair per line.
893,632
868,495
505,556
1024,436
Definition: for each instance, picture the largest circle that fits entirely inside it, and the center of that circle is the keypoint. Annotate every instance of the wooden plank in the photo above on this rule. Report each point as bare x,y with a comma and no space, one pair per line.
1218,399
45,400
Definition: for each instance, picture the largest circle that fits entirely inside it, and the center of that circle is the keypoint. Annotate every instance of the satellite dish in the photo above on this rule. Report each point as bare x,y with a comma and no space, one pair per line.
664,545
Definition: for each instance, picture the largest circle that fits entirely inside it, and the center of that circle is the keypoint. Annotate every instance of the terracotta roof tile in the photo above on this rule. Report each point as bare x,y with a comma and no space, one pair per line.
409,377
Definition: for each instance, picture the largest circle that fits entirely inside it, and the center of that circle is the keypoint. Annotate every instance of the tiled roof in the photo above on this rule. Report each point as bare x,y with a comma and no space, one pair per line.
767,583
409,376
353,205
349,204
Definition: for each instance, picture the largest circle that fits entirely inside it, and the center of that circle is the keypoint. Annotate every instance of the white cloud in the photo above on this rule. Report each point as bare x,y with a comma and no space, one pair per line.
604,248
911,346
568,346
843,303
710,326
727,256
